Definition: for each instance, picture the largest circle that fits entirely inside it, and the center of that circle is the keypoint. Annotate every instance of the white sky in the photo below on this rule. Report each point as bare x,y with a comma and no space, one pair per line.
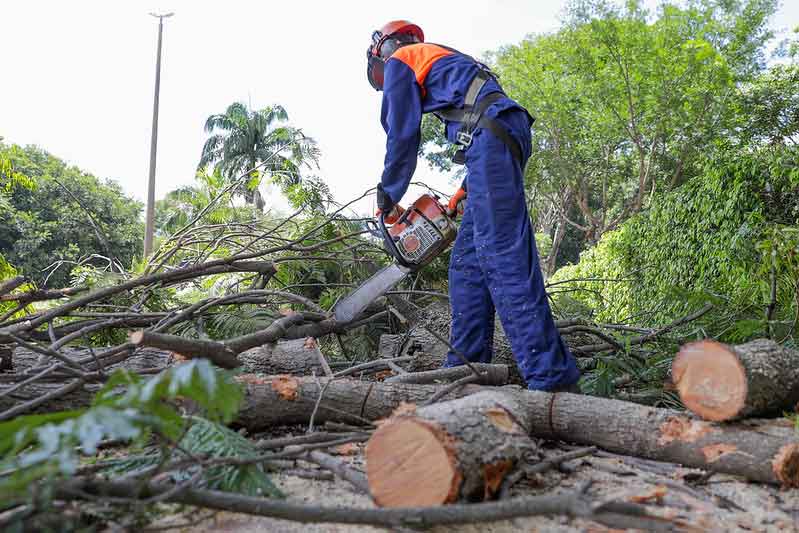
77,77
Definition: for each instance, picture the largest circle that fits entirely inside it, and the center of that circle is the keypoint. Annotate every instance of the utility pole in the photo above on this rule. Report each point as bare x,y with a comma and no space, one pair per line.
149,222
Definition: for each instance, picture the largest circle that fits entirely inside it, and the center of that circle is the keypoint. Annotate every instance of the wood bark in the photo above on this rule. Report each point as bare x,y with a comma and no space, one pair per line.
441,453
721,382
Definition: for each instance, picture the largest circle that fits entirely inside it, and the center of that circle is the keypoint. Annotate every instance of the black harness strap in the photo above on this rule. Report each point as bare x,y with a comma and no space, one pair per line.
471,118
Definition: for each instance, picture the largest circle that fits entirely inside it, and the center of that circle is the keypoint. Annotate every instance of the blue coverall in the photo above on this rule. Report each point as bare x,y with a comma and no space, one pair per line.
494,263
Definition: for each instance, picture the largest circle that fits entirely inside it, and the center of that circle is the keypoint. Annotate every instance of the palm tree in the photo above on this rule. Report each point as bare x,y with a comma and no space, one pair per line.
258,142
184,204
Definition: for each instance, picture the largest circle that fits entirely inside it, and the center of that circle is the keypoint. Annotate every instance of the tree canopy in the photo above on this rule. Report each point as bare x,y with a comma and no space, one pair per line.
65,218
255,144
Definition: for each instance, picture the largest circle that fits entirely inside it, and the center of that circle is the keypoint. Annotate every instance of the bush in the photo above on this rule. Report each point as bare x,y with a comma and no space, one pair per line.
718,238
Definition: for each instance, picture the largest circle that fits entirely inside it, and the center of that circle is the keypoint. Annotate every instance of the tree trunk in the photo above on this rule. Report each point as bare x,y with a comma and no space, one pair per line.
762,451
720,382
441,453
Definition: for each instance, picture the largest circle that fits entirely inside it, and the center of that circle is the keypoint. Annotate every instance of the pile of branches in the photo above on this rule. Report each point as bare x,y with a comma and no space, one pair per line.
51,362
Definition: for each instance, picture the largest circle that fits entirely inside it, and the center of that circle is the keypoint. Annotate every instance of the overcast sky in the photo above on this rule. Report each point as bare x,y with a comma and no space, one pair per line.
77,76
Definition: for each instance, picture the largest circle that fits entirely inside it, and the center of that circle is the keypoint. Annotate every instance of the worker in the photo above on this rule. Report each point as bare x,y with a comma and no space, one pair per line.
494,263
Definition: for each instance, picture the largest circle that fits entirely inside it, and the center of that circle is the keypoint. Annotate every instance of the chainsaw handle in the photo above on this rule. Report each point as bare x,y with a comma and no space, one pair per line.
389,240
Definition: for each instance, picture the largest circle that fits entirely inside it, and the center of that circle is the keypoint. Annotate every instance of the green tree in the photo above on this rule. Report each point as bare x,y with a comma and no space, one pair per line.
768,108
725,236
9,176
181,206
261,143
68,217
627,102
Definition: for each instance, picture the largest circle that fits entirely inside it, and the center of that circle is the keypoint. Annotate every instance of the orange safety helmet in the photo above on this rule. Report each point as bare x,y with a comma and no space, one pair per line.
394,34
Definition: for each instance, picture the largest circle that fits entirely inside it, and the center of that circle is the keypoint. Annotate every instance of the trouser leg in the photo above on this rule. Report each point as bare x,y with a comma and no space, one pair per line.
472,332
504,245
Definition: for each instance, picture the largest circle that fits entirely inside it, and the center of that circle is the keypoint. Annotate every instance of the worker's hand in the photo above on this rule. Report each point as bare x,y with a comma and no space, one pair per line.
393,215
386,205
384,201
456,202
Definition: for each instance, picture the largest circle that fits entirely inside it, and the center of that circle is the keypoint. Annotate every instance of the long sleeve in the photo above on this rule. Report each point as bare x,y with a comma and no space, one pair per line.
401,117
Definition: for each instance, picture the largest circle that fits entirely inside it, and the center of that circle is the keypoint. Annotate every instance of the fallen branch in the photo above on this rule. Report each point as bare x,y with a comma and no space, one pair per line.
221,353
642,339
488,375
11,284
541,467
576,505
339,468
220,266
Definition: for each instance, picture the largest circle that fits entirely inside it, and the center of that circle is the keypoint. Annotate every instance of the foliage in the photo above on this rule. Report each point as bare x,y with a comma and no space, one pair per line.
45,230
183,205
7,271
768,108
48,447
257,144
10,177
212,440
626,101
718,238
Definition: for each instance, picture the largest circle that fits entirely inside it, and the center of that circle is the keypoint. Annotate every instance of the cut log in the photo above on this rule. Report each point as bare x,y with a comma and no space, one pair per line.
296,357
720,382
282,400
759,451
762,452
448,451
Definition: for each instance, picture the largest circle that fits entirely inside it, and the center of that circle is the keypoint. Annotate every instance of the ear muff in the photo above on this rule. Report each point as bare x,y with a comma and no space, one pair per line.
374,70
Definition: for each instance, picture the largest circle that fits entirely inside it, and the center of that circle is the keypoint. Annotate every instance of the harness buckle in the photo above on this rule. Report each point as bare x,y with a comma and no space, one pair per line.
463,138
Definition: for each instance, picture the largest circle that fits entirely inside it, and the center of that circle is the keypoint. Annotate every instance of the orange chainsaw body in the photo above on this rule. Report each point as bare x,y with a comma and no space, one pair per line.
422,232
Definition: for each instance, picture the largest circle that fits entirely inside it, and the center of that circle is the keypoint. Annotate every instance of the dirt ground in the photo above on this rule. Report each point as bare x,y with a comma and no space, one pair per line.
718,503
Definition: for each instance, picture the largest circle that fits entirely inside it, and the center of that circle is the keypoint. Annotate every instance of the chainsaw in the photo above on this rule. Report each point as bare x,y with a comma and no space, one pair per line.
420,234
